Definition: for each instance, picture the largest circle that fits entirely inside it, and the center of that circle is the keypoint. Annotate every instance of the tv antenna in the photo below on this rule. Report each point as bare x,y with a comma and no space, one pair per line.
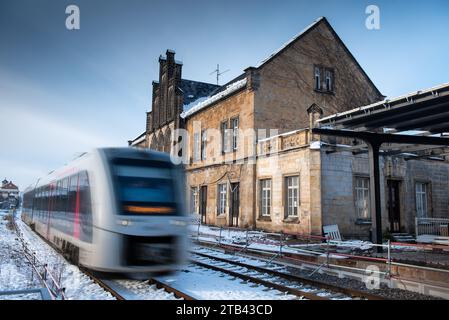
217,71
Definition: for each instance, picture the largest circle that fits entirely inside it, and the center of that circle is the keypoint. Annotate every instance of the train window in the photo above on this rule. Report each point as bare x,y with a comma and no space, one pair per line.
72,193
64,194
144,189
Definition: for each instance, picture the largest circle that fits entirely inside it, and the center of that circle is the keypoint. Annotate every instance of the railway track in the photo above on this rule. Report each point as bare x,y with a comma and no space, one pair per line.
122,293
281,280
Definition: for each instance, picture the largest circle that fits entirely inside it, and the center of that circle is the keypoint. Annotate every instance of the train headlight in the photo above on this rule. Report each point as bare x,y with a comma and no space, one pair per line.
124,222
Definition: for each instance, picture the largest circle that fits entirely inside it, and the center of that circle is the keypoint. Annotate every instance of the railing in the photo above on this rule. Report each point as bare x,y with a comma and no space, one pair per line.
432,226
42,271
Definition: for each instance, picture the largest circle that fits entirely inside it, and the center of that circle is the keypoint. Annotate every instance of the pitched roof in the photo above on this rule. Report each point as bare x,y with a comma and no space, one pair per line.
194,106
193,90
222,93
306,31
9,185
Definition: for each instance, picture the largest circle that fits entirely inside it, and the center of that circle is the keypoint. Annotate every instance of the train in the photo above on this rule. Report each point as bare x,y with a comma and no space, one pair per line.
114,210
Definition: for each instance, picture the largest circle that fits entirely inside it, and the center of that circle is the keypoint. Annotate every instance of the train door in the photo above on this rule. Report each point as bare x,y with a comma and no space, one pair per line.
234,205
394,206
203,203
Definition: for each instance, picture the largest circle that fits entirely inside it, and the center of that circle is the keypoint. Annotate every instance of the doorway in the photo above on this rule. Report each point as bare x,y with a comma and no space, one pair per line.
235,205
394,205
203,203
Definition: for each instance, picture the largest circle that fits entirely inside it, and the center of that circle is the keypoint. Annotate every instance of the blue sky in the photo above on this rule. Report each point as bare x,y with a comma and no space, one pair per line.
63,92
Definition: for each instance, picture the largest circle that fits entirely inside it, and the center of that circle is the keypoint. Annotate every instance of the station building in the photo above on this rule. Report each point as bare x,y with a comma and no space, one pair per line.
253,161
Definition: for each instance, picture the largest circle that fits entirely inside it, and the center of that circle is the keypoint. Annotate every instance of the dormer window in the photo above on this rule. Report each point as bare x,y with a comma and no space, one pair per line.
317,78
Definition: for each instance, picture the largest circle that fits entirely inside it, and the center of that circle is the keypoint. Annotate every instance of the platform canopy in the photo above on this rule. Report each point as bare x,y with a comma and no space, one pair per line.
416,122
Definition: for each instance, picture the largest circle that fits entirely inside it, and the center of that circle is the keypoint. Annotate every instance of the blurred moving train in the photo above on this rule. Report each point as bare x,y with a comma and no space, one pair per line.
113,210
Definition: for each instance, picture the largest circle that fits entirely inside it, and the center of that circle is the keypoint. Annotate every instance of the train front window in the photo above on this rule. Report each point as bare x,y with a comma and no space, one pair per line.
145,189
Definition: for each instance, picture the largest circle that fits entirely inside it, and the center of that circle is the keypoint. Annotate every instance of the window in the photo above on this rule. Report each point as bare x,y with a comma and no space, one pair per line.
421,200
317,78
329,78
196,146
194,200
222,196
265,197
292,196
235,132
362,198
224,137
203,144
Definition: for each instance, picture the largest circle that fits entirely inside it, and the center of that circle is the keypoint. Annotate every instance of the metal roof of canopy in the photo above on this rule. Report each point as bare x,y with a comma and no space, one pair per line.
426,110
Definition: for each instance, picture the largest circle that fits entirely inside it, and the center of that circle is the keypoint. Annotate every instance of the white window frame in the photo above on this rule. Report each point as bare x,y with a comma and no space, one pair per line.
225,131
196,146
222,198
317,78
421,199
194,199
362,198
203,144
265,197
235,131
292,196
329,79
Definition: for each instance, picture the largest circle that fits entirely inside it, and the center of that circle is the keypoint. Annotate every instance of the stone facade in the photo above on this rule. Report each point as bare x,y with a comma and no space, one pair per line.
272,151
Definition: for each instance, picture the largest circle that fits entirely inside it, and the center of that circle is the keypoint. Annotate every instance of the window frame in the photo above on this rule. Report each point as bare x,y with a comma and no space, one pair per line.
203,144
265,201
235,122
222,198
287,197
424,197
365,191
317,78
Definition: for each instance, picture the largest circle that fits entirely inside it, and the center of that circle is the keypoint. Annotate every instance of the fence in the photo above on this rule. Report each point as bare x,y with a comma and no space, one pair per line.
432,226
44,274
290,245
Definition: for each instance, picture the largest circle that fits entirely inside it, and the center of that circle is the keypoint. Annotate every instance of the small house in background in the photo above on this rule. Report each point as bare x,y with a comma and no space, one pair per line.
9,195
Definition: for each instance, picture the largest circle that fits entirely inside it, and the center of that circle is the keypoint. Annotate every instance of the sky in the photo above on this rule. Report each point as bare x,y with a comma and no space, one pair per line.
63,92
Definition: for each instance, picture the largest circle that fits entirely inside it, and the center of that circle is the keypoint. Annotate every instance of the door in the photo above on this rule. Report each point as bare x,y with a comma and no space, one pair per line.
203,203
235,205
394,206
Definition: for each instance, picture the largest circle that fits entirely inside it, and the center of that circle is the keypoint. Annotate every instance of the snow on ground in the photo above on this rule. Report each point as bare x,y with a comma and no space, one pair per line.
206,284
15,273
145,291
78,285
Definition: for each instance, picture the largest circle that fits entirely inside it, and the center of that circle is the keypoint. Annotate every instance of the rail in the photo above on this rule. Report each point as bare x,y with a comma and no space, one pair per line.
292,245
432,226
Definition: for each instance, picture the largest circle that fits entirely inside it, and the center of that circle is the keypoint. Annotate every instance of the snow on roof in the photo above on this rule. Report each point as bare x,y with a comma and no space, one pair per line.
385,101
290,41
139,139
201,103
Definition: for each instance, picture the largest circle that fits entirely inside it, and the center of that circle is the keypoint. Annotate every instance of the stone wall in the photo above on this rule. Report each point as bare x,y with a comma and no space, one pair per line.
285,84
